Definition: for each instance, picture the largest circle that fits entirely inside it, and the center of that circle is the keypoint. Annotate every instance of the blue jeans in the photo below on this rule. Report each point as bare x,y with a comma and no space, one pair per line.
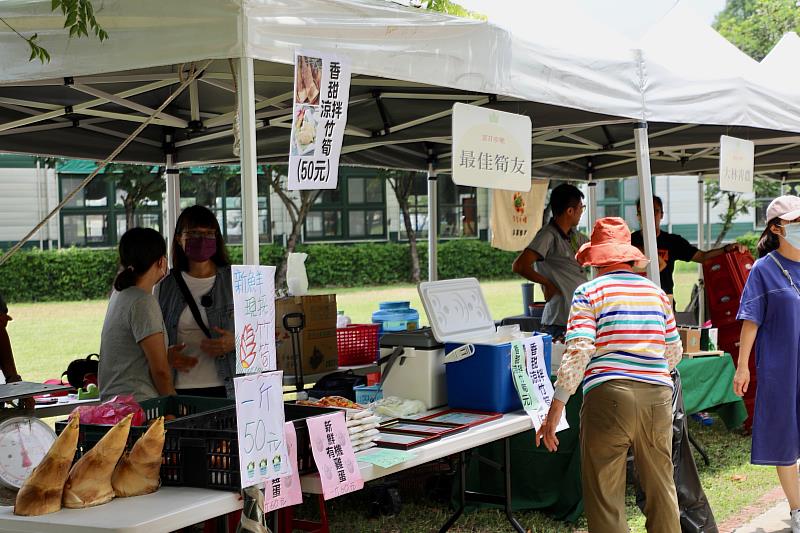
555,331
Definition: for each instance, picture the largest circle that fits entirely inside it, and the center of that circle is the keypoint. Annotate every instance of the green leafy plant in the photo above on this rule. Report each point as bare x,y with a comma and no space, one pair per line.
86,273
79,19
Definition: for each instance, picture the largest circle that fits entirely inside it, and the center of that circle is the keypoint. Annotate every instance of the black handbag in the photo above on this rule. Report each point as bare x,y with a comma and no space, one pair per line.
78,368
337,384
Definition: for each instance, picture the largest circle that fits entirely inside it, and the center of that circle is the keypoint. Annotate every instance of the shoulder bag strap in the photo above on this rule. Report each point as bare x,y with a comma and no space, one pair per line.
187,296
785,272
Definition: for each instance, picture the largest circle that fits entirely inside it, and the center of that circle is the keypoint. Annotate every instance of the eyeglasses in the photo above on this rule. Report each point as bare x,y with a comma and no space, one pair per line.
200,233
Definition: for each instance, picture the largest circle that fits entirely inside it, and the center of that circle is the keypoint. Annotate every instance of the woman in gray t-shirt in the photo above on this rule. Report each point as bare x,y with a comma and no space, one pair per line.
133,344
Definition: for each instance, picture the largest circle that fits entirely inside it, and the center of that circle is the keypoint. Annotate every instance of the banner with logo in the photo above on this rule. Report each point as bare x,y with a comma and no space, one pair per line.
319,116
517,216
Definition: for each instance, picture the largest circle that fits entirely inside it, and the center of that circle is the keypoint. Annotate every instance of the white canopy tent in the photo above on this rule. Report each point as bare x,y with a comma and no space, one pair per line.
411,66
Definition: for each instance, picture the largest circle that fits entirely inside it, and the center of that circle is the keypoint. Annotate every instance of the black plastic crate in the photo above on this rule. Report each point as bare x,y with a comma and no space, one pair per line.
203,450
177,406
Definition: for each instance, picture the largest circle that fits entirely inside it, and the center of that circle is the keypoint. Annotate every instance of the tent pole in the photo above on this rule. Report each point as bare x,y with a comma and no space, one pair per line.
247,124
646,198
433,224
701,199
592,203
173,194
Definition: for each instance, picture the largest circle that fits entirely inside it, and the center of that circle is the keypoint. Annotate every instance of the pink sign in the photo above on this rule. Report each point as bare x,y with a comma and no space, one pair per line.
285,491
333,453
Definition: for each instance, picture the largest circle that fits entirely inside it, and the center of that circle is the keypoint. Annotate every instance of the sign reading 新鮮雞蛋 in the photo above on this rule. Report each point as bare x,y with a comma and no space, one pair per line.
319,116
491,148
736,157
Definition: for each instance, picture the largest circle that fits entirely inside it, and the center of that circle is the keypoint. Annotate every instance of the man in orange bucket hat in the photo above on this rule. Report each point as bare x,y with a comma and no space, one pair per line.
622,344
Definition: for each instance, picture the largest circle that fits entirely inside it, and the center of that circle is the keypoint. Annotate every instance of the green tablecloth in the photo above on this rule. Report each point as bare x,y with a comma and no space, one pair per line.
551,482
708,386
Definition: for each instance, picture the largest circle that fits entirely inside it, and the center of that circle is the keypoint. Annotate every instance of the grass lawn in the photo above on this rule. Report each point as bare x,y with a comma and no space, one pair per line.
47,336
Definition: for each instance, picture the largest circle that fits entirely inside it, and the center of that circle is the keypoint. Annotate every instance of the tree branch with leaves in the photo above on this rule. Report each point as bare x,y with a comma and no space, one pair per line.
79,18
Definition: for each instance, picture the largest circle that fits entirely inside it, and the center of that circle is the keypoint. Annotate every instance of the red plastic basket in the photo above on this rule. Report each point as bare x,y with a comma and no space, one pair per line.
357,344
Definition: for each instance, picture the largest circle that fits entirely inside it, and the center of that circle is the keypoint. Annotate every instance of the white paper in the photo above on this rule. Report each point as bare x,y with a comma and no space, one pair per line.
532,348
491,148
260,424
318,119
254,317
736,158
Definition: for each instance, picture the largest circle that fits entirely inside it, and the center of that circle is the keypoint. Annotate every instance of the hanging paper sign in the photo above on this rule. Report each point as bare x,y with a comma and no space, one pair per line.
333,453
319,117
254,318
531,380
736,157
260,426
491,148
285,491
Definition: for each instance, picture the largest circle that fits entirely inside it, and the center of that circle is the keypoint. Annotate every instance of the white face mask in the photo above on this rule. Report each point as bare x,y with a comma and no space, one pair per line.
792,234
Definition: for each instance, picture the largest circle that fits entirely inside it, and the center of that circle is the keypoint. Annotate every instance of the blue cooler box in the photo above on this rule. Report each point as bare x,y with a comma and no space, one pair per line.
458,315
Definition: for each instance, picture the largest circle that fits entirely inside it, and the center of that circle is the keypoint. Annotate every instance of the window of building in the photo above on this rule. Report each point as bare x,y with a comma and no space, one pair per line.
458,209
354,211
96,216
219,189
617,198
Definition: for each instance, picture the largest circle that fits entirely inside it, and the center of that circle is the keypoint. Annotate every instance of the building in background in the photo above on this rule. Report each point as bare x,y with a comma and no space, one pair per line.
362,209
28,191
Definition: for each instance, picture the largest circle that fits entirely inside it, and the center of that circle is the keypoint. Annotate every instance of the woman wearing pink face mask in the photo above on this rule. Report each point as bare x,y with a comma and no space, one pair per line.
196,299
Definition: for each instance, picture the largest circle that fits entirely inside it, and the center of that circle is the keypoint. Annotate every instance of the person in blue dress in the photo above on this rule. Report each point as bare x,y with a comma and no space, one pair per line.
769,309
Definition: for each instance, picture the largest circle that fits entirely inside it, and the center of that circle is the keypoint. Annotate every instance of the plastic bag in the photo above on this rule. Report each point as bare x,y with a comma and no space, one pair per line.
296,277
112,411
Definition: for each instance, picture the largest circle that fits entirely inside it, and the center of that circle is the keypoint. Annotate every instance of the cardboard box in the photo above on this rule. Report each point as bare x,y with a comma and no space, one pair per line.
317,339
690,338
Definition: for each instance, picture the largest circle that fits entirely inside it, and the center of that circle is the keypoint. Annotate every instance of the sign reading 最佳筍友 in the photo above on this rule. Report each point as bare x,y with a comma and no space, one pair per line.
736,158
491,148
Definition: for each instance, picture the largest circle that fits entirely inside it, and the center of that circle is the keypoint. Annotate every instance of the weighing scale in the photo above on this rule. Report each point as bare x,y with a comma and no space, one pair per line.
24,440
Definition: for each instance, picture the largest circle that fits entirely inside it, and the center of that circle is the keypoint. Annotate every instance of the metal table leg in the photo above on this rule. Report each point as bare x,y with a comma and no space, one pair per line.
482,497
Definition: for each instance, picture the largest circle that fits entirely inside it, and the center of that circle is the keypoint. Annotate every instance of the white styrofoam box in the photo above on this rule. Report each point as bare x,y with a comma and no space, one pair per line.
417,375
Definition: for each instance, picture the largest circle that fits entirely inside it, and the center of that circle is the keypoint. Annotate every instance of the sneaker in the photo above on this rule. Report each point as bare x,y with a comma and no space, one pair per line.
795,520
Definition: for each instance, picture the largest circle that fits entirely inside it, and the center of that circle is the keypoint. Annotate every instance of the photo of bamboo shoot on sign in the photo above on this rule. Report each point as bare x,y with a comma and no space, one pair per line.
308,77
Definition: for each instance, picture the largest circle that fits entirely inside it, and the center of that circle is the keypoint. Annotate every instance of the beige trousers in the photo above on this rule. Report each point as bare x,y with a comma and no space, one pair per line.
618,415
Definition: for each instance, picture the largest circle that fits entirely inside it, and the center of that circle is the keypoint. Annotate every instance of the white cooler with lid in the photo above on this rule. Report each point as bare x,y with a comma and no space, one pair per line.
419,373
479,375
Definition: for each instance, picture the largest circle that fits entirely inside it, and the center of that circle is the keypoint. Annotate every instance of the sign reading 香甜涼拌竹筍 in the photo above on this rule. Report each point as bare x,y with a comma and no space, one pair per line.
736,157
491,148
254,318
319,116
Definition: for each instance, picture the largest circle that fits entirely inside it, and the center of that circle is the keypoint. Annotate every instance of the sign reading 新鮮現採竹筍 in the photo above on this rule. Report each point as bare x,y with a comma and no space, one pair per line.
736,157
491,148
260,420
254,318
319,116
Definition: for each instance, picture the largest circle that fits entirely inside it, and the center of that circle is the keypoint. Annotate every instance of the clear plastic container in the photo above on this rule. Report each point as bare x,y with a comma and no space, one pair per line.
396,316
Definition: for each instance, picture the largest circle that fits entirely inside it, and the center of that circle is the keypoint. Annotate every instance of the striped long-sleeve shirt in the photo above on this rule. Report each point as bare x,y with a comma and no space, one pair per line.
629,322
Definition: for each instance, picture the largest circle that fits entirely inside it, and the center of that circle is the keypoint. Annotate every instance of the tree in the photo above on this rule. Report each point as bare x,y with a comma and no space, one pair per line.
736,205
755,26
139,184
402,183
297,205
450,8
78,17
